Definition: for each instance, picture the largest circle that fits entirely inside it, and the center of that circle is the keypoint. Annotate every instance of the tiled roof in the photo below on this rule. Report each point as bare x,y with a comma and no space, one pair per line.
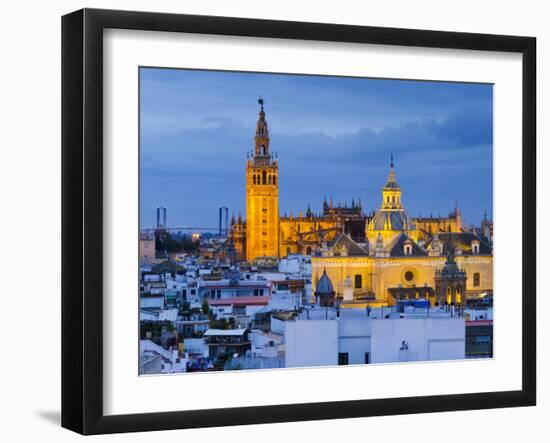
352,248
461,241
240,301
398,220
324,285
398,250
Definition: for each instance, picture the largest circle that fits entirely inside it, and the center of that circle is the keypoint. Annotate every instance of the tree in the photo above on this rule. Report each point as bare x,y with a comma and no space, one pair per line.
205,307
169,243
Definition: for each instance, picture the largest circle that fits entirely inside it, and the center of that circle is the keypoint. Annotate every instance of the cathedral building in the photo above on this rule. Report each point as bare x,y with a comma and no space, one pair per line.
387,255
264,232
405,259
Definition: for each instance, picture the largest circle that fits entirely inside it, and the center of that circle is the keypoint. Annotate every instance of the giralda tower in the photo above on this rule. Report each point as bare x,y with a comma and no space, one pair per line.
262,196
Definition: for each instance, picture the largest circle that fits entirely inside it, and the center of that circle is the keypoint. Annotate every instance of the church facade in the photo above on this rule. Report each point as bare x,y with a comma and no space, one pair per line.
386,254
405,258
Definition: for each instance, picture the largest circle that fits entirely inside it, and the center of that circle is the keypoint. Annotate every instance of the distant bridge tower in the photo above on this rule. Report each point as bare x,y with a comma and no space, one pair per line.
161,218
224,222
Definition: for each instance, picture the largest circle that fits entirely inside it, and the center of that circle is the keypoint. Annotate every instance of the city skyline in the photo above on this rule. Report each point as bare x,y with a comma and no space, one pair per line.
326,130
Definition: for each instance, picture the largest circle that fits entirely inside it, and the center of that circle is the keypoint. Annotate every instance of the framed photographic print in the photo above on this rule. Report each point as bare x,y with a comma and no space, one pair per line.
269,221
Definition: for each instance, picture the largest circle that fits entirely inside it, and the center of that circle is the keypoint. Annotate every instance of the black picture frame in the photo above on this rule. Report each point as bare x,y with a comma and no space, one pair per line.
82,215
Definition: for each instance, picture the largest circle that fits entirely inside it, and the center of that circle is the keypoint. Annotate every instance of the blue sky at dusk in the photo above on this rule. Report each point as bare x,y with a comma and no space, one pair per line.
333,136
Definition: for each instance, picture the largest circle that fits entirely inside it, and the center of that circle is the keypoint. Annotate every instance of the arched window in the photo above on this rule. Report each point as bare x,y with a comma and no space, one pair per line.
358,281
393,198
388,199
254,179
262,149
269,179
477,279
287,250
274,179
308,250
264,177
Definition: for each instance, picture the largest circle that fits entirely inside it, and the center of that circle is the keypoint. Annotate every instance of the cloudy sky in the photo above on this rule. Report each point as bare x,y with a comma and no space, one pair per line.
334,137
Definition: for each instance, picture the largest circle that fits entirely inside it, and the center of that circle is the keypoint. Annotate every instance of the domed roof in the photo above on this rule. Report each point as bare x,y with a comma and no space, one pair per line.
397,220
451,268
324,285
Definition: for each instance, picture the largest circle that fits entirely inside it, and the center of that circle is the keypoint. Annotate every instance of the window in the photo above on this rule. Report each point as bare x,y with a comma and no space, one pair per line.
367,358
269,180
477,279
343,358
274,180
254,179
482,339
358,281
409,276
407,250
308,250
264,177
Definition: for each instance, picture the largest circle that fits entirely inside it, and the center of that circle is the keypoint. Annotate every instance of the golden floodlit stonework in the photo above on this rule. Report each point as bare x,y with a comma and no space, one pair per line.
387,255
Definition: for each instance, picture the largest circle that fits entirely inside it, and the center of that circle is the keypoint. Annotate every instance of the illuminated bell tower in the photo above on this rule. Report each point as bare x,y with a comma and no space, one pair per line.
262,196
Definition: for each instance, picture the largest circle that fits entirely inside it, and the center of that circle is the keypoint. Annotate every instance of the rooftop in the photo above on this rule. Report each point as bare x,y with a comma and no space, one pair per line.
224,332
240,301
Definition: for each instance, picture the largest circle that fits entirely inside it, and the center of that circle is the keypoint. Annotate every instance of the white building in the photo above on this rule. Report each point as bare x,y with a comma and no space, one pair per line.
320,337
311,343
418,339
153,357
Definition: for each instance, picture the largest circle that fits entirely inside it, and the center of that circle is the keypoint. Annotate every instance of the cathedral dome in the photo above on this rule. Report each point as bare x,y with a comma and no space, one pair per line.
324,285
397,220
391,216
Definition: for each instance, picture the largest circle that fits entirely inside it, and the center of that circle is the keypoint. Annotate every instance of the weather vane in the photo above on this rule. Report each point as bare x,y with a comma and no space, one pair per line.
261,102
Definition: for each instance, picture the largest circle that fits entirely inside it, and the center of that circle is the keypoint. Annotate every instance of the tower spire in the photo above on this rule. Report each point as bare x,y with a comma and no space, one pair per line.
391,193
261,140
391,182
